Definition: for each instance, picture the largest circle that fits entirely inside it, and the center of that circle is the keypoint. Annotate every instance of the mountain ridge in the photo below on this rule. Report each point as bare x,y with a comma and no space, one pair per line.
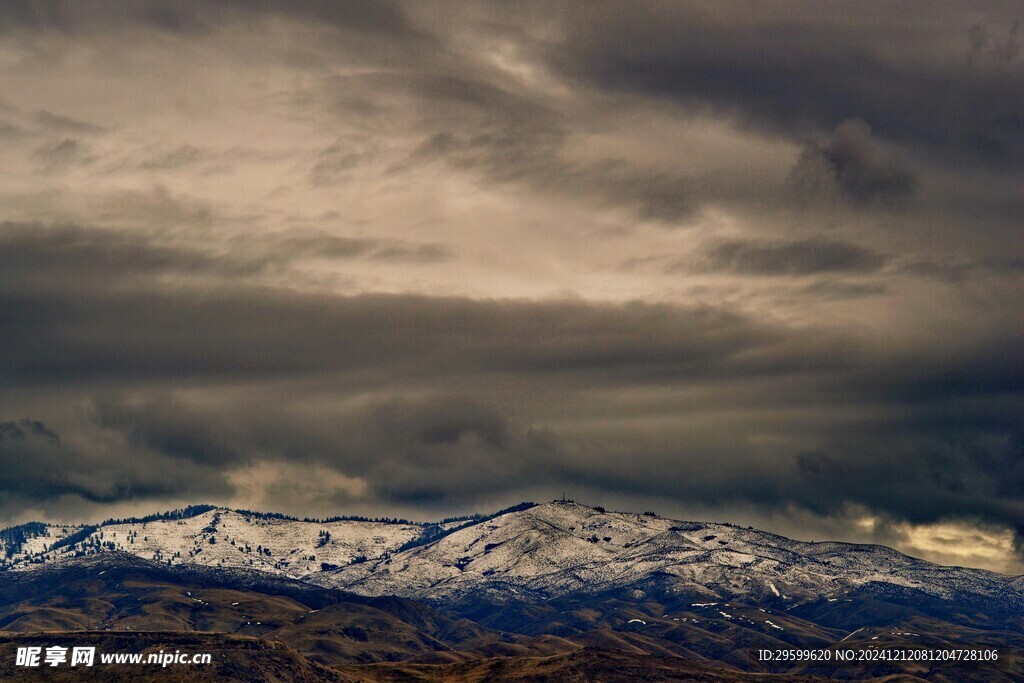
542,551
526,589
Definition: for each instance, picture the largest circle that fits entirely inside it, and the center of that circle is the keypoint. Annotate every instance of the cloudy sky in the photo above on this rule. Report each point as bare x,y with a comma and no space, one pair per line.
751,261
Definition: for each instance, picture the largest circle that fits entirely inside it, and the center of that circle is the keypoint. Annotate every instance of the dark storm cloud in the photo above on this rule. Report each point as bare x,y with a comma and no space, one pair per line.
924,465
806,67
855,164
919,456
941,422
167,427
36,257
990,367
35,462
82,305
436,449
409,450
37,467
915,475
803,257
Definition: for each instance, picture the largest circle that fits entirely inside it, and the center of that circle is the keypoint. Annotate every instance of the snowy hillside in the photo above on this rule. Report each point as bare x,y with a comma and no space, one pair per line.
542,551
563,548
225,538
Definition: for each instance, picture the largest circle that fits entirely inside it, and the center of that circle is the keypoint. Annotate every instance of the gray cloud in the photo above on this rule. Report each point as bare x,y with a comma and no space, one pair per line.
337,162
942,422
180,157
803,257
66,123
39,258
510,139
886,439
435,449
10,131
285,248
116,320
503,134
855,164
958,271
925,464
166,426
832,289
416,253
67,152
955,470
38,468
69,17
803,68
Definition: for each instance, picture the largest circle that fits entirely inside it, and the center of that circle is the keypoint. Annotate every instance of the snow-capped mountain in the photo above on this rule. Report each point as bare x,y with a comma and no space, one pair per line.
544,551
560,549
218,537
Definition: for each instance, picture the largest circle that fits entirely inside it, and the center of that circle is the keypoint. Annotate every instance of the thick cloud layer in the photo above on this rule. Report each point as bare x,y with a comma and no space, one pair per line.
750,261
949,80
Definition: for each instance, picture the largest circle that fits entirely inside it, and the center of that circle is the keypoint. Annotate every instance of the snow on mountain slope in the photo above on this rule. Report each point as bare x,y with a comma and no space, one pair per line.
36,545
226,538
542,551
562,548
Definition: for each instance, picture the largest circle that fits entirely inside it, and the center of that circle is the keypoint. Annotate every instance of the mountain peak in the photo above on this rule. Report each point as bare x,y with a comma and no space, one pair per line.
548,550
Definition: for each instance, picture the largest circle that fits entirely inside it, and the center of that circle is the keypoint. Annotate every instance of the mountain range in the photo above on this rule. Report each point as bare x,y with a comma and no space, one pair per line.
460,599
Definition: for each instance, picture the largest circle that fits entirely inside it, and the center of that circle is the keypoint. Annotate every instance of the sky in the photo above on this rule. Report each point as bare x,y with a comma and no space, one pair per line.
754,262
